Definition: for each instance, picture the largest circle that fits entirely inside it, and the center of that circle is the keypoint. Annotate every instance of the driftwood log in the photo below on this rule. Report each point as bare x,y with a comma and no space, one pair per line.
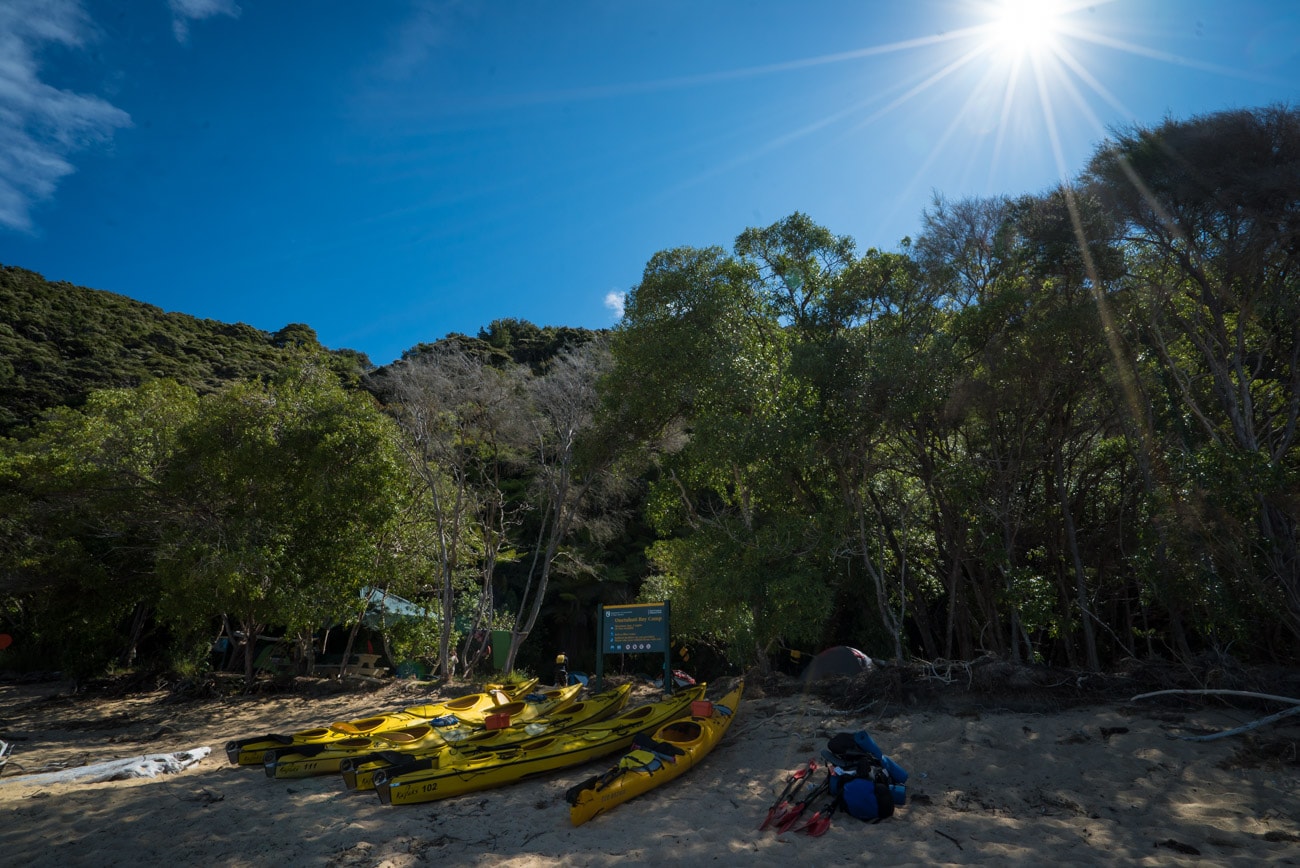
1255,724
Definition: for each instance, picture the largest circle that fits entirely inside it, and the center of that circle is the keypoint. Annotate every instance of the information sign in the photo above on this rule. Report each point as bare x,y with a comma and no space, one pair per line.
635,629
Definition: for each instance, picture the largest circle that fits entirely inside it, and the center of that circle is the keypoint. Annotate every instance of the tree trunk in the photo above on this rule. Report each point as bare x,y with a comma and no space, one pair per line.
1080,579
138,619
250,655
888,619
352,638
1279,530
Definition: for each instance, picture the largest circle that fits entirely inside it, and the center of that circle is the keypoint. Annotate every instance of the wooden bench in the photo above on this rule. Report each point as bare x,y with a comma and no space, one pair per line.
358,664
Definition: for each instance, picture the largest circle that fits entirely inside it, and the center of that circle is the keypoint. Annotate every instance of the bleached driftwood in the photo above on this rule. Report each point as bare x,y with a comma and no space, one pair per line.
1252,695
1255,724
148,766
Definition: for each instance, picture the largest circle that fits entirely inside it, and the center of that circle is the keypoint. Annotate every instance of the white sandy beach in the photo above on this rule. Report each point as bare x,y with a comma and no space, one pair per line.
992,782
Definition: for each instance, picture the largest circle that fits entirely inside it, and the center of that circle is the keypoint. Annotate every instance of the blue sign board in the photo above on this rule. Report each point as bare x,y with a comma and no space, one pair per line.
636,629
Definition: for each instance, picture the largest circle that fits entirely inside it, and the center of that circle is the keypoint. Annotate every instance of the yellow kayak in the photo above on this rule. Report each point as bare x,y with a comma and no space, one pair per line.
670,752
359,771
302,761
463,710
250,750
457,771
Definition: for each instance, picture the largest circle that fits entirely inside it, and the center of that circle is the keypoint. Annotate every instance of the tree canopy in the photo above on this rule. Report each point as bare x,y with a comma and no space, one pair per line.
1057,427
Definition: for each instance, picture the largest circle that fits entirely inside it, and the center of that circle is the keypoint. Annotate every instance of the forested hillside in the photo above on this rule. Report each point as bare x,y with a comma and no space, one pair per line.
1057,428
59,342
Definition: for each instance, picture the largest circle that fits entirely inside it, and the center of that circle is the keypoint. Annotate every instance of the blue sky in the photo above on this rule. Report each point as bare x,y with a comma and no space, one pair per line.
391,171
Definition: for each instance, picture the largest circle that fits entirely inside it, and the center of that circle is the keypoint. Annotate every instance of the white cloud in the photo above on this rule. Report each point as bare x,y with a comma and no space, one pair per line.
41,125
185,11
615,299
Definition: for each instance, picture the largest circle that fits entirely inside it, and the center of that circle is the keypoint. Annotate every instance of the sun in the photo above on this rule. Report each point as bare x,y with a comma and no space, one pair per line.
1025,27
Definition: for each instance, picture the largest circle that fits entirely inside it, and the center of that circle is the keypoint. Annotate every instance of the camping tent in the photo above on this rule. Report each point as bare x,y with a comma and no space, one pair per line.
388,609
837,660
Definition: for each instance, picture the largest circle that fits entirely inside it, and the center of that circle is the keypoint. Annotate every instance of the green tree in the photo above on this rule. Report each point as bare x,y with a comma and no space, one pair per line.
286,488
85,498
1206,209
701,379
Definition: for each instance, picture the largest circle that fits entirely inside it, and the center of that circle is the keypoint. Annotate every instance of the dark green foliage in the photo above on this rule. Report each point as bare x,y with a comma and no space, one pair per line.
83,504
60,342
516,341
1061,427
1213,245
267,503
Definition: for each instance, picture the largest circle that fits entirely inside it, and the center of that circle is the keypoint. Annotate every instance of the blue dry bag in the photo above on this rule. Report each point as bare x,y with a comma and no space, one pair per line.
864,740
868,783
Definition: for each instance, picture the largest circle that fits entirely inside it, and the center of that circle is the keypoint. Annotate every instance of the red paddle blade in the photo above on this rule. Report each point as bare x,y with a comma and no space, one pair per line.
817,826
792,785
791,817
820,822
772,813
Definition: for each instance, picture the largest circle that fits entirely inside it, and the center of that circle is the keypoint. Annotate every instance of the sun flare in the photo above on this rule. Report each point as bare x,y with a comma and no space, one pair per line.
1021,27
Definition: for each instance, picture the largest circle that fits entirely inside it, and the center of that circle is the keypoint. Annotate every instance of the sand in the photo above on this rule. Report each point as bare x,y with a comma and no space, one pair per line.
1014,778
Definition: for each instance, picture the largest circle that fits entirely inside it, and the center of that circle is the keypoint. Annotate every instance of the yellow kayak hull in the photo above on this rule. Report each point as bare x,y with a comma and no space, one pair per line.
251,750
359,772
309,761
674,749
457,772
